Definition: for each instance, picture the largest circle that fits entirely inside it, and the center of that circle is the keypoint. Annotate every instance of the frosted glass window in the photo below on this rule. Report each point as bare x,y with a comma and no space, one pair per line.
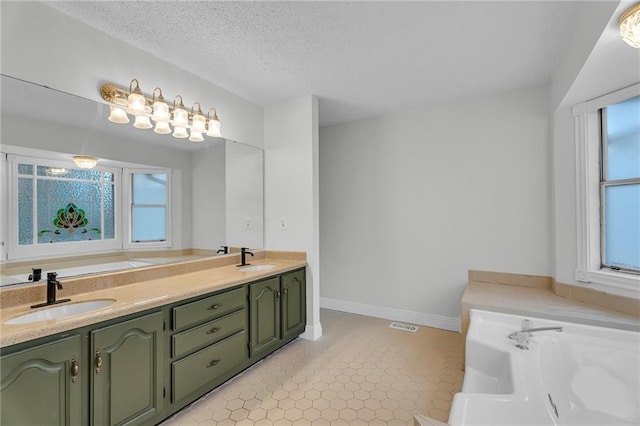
149,207
25,211
67,205
620,185
623,140
149,224
622,245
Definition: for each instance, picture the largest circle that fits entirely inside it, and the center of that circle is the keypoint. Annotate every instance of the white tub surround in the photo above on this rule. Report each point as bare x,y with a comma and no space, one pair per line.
584,375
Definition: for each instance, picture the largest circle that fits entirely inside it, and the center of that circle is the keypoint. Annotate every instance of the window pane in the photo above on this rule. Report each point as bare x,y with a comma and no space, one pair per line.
68,211
109,212
149,224
622,226
25,211
25,169
623,139
149,188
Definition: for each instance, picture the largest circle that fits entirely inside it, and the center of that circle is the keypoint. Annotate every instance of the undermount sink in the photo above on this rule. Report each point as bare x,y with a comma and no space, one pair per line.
60,311
256,268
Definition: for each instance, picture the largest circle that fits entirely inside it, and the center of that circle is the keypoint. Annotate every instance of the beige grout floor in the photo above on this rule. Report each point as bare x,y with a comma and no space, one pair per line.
359,372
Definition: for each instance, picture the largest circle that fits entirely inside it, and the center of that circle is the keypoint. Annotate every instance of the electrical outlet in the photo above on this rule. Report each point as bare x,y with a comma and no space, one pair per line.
283,223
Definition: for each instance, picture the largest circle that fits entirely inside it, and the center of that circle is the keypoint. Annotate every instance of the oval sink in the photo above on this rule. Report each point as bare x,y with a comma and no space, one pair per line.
60,311
256,268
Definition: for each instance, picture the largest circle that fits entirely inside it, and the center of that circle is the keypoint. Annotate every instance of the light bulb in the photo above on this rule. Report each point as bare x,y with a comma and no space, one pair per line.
142,122
214,129
196,136
162,127
118,115
180,118
161,112
179,132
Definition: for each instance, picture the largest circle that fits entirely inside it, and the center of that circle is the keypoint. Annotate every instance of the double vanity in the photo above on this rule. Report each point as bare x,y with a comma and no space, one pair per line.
134,347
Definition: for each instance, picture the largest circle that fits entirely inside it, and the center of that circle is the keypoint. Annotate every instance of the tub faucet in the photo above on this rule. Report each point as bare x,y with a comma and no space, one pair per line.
522,336
223,250
52,285
243,256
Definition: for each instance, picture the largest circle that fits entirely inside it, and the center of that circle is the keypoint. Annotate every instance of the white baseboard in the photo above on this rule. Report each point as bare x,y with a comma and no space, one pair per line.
419,318
312,332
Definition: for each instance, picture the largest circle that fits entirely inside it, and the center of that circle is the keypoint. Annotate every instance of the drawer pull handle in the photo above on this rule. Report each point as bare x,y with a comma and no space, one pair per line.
75,370
213,330
98,362
216,306
214,362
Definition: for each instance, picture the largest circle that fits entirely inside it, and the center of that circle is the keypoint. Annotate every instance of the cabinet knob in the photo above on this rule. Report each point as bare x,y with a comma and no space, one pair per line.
213,330
98,362
285,291
75,370
216,306
214,362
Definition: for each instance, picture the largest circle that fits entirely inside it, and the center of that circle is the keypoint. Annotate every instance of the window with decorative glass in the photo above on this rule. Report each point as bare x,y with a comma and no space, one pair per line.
56,209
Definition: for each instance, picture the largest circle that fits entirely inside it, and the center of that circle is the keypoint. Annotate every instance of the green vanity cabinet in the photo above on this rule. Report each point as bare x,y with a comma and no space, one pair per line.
264,297
278,311
127,371
294,304
41,385
209,343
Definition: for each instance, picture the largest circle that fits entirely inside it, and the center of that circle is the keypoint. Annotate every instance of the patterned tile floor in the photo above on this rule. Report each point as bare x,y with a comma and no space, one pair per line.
359,372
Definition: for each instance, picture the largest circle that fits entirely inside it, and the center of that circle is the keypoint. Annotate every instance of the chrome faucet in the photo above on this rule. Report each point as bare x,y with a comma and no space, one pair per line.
52,285
243,256
522,336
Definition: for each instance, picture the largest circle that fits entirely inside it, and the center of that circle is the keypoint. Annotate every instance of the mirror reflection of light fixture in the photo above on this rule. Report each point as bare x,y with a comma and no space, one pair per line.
629,24
145,109
56,171
85,162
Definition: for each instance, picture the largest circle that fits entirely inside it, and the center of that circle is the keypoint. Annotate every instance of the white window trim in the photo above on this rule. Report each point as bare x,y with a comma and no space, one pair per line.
127,195
588,272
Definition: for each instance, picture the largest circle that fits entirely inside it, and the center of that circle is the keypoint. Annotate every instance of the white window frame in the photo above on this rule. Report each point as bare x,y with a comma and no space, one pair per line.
17,251
12,251
588,272
127,214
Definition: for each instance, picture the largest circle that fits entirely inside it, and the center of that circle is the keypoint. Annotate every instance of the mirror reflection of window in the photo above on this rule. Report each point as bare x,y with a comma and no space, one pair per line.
149,207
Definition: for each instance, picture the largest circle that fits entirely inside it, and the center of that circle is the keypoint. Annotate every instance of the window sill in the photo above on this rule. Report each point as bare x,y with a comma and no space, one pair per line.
608,281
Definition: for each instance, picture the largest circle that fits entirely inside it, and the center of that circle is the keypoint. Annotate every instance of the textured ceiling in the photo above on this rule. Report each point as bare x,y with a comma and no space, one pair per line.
361,59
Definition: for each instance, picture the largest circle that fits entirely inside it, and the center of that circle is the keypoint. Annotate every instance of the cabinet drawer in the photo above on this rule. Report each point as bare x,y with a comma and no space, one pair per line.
209,308
204,366
207,333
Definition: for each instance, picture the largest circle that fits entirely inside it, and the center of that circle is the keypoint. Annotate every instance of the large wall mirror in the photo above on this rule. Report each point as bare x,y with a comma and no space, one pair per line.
216,196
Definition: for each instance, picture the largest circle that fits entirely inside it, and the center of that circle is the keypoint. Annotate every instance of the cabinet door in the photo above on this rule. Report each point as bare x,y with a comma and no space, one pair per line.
265,315
127,385
41,385
294,304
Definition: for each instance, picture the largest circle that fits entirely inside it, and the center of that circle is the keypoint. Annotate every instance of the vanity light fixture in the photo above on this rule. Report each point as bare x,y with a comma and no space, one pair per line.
629,23
124,102
85,162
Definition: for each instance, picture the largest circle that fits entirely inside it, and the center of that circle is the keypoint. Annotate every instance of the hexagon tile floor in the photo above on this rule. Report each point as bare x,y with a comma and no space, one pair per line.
360,372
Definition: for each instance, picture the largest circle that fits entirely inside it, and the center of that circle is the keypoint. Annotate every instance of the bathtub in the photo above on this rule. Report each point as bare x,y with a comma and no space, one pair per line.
87,269
584,375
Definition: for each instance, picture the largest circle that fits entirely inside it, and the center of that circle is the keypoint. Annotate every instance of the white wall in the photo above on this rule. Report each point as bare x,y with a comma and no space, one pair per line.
291,190
208,213
244,195
410,201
